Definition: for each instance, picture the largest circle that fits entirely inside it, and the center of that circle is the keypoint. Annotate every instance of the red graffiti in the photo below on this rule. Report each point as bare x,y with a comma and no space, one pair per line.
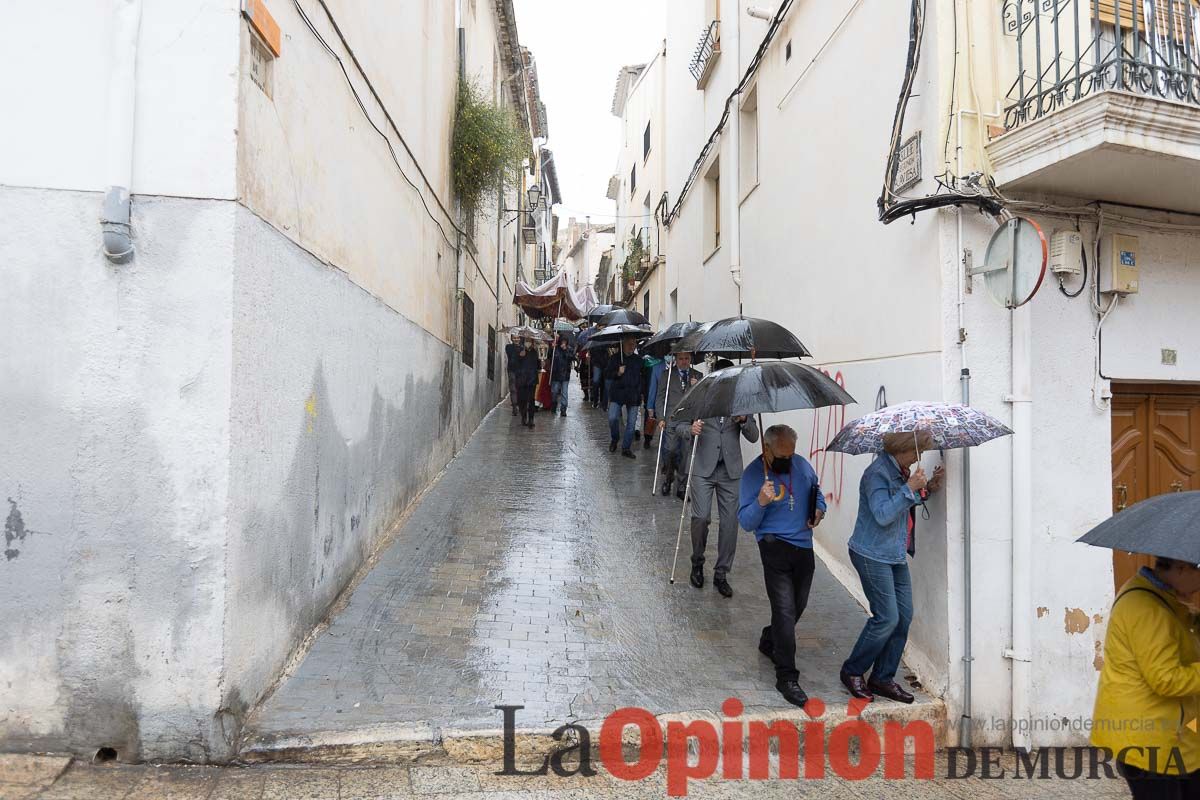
830,467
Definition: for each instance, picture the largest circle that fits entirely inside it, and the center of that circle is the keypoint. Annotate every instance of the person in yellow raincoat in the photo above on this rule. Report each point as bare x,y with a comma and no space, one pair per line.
1147,711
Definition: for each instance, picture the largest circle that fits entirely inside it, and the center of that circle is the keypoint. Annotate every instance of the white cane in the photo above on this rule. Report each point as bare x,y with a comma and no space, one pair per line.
687,495
662,433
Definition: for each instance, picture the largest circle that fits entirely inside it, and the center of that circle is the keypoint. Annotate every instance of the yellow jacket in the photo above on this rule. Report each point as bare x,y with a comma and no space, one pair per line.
1149,694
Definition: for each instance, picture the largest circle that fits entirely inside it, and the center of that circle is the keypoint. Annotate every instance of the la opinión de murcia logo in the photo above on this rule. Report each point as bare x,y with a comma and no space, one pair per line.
734,749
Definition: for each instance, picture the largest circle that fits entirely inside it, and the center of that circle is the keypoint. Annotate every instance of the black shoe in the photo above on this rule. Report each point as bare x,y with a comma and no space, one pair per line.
767,648
697,577
646,443
681,491
562,413
530,426
612,446
666,487
637,436
792,692
891,690
628,454
722,586
856,685
514,412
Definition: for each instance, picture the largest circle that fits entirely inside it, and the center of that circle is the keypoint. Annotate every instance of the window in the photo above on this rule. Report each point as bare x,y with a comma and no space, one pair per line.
712,208
468,331
633,180
491,365
748,143
646,143
646,304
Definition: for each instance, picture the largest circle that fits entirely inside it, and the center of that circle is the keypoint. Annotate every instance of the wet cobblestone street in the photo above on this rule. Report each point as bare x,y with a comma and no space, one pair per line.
535,572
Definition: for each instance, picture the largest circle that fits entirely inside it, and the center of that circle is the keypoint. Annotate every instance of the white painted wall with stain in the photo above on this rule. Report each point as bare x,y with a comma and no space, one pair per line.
203,445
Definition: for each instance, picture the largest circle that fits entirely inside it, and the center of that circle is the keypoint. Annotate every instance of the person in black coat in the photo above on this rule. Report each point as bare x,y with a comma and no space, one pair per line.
624,372
600,358
528,366
560,374
510,364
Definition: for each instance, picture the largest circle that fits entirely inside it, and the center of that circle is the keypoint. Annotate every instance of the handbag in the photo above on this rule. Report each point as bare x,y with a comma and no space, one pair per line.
649,425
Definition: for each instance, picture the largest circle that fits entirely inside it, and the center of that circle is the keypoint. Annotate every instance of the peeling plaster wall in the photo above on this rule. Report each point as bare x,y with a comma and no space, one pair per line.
342,412
114,407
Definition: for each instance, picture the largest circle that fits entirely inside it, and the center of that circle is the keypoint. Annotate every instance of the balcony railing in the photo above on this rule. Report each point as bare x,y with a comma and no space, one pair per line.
1067,50
706,54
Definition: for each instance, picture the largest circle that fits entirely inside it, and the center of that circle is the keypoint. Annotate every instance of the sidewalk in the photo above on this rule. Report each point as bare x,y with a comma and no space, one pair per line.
535,573
37,778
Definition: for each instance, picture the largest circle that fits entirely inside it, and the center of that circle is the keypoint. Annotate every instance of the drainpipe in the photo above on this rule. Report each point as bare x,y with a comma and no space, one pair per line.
1022,521
118,151
735,182
965,732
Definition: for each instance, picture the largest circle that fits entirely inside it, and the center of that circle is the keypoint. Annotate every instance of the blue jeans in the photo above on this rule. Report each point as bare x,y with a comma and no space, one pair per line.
597,385
558,391
889,590
614,423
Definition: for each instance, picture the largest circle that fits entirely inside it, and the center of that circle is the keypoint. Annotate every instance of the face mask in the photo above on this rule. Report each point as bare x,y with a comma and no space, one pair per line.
781,465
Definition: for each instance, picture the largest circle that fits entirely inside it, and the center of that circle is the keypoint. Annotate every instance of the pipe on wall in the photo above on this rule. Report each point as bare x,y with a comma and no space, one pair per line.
1022,522
115,228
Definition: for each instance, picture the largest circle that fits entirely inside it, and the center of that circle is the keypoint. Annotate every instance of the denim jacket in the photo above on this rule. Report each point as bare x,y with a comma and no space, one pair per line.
884,500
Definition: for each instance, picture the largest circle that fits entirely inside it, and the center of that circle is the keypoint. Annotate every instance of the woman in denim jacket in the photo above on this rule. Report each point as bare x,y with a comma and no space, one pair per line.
878,549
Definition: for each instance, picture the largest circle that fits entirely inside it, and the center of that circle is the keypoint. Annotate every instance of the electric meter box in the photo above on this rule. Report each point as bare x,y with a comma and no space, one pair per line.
1066,253
1119,268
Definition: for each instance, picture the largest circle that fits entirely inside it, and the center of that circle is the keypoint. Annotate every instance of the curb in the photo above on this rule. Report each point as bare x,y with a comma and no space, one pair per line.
422,743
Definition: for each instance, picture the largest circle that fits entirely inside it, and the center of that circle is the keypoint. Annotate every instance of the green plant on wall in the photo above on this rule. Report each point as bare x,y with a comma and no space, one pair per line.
487,147
635,251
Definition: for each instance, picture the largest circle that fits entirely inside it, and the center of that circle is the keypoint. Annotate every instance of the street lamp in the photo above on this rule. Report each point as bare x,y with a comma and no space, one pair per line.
535,194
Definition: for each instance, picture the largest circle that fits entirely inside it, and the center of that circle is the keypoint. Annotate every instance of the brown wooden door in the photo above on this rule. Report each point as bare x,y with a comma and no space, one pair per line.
1155,449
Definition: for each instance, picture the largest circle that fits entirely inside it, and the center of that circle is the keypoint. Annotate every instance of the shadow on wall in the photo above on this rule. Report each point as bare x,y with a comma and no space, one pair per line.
290,559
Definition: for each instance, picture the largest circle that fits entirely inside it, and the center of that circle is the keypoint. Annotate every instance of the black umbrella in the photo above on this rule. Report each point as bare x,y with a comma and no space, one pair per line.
623,316
754,388
660,344
744,337
613,334
1164,526
597,313
761,387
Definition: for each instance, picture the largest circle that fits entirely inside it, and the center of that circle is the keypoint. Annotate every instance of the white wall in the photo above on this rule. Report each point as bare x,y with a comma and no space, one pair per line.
116,412
186,96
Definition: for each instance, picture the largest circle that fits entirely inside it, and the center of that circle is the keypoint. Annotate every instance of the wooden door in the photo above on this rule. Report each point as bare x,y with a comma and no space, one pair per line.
1155,449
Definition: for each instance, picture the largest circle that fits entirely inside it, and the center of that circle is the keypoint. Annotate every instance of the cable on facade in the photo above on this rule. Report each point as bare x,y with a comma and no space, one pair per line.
751,71
362,106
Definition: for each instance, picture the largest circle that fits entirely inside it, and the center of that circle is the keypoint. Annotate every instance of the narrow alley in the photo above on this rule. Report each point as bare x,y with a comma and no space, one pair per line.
535,573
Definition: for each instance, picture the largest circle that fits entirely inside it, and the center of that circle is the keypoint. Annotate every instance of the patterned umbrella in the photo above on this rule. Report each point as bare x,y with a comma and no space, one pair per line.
950,426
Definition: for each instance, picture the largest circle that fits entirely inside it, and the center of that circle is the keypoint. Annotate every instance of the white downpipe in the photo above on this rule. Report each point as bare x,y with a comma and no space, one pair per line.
118,145
734,188
1022,522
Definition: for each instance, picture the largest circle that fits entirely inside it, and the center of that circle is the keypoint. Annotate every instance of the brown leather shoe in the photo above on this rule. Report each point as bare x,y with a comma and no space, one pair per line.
857,686
891,690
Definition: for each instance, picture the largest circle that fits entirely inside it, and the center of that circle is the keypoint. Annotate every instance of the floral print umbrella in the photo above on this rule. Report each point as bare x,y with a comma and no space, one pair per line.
951,426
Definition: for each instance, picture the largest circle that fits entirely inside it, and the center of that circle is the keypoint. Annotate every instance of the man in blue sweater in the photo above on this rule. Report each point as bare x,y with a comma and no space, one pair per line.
780,503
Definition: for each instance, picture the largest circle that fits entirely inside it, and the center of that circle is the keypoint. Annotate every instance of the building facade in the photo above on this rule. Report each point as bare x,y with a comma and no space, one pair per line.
639,189
779,218
581,248
294,330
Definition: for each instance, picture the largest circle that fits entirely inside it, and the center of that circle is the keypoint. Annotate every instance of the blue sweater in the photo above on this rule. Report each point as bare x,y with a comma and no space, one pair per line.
790,525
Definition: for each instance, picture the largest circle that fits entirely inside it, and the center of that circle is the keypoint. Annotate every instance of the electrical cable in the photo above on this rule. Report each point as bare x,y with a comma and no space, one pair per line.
1083,253
751,71
358,99
953,96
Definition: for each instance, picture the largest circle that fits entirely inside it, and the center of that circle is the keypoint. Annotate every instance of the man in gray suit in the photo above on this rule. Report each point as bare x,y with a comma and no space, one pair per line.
716,469
679,378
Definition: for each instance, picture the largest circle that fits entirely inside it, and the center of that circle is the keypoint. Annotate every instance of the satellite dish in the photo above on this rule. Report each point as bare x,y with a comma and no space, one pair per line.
1015,264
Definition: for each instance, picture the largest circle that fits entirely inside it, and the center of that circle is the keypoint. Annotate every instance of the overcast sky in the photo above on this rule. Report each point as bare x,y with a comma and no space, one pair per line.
580,45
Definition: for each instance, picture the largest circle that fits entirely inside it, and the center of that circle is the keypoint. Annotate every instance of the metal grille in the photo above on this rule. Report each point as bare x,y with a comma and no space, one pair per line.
710,45
1069,49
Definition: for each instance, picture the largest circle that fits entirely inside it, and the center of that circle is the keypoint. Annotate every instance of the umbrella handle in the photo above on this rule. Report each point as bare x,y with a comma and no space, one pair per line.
687,495
762,432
